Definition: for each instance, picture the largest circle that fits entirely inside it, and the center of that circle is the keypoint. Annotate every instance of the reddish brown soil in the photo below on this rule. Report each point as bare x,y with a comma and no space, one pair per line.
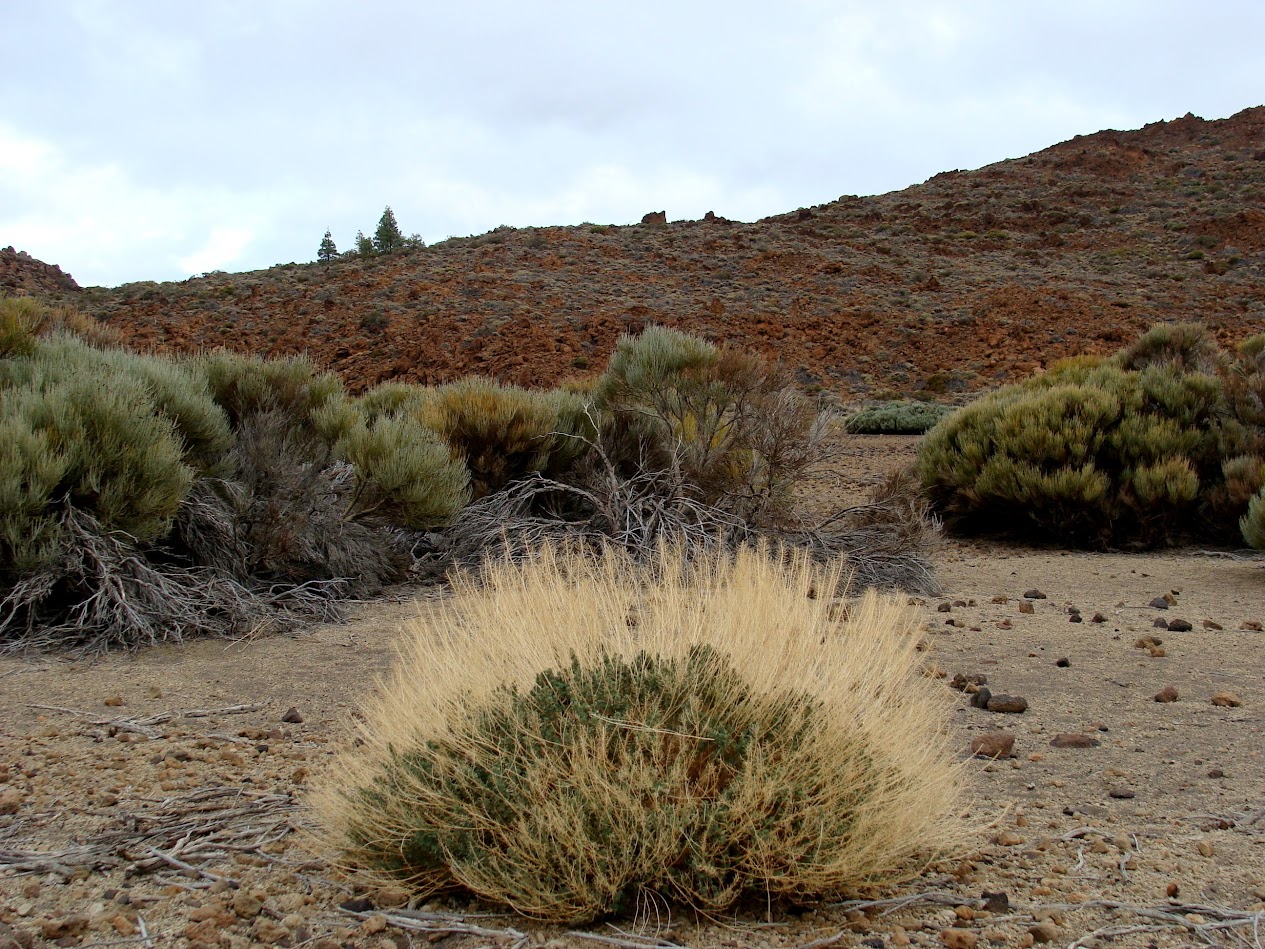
957,284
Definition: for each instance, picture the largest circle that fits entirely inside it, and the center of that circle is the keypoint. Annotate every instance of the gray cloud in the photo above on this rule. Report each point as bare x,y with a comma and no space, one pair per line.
168,137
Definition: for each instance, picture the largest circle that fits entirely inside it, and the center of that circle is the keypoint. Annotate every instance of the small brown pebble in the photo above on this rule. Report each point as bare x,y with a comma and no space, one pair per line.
1166,694
1122,794
995,744
1160,623
967,681
1026,607
1226,700
944,607
1251,625
1075,618
292,717
1204,848
1000,598
1012,704
114,701
1034,594
1044,932
1216,773
1157,652
1209,624
1063,663
996,902
246,906
123,926
1073,740
374,924
964,913
1172,890
10,800
1098,618
1159,603
1009,838
1179,626
958,938
1147,641
1005,624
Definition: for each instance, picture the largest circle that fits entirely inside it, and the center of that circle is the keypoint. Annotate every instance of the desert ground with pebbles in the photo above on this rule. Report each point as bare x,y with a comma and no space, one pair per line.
159,798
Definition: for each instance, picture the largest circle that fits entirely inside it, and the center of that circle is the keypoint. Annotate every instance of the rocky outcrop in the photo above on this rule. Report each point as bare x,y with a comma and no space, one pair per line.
23,275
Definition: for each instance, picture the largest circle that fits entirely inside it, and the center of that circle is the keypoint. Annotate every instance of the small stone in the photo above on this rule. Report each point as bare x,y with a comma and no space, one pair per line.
1076,618
1122,794
1251,625
1166,694
114,701
292,717
958,938
123,926
246,906
1026,607
1098,618
269,931
63,927
995,744
1157,652
981,697
1008,838
1074,740
1172,890
1063,663
374,924
1216,773
1148,641
996,903
943,607
1226,700
1005,624
964,681
1034,594
10,800
1000,598
1160,623
964,913
1044,932
1014,704
1204,848
1179,626
1159,603
1209,624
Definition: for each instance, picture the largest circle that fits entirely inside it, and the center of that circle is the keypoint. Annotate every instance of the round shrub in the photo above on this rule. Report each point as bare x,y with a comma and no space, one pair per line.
567,734
1253,522
97,444
1094,455
501,432
896,418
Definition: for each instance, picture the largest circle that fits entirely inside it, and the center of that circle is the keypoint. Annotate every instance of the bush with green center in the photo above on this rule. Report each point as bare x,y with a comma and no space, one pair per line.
570,734
896,418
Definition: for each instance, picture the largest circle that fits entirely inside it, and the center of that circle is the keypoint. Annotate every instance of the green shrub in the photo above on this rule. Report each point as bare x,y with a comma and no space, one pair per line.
569,735
1253,522
502,433
406,473
896,418
731,424
97,444
1163,442
250,385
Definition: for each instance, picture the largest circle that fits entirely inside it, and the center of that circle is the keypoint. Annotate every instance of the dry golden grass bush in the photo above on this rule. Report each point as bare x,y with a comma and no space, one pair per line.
757,736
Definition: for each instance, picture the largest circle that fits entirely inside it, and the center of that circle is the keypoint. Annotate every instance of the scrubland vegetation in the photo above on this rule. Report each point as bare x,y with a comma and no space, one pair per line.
1163,442
149,498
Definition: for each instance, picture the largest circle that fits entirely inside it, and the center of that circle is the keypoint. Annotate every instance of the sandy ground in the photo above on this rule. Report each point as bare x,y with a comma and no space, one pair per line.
126,820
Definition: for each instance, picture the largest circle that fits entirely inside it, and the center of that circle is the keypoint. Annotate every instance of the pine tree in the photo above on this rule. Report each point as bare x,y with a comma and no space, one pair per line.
364,246
328,250
388,238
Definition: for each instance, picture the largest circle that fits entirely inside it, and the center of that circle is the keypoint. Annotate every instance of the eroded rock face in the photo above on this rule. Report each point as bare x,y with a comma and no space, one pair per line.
23,275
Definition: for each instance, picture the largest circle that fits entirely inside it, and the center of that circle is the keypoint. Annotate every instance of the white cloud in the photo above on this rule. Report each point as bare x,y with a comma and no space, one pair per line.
223,248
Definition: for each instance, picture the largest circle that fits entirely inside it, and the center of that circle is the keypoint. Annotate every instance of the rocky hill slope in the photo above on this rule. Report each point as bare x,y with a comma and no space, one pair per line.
23,275
965,281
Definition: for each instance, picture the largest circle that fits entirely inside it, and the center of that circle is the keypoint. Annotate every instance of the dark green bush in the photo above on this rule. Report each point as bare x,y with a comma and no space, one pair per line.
1132,451
896,418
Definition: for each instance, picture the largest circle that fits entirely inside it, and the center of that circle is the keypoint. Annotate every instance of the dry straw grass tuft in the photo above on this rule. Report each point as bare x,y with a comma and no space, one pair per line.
571,734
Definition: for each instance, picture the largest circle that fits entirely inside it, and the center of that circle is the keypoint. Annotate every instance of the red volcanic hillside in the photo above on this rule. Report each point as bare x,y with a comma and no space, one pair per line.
967,280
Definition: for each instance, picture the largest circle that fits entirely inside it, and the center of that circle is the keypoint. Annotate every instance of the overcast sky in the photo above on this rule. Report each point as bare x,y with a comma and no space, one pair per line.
156,140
